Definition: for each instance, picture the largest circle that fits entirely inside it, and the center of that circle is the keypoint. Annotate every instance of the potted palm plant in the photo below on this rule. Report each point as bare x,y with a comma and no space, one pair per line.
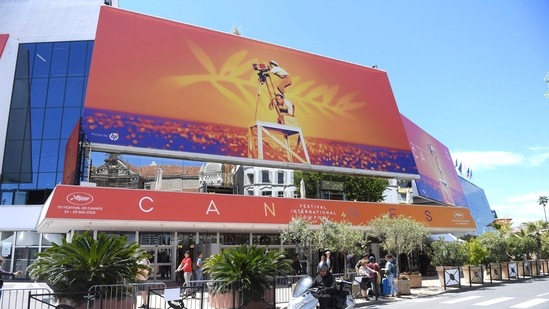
71,268
246,269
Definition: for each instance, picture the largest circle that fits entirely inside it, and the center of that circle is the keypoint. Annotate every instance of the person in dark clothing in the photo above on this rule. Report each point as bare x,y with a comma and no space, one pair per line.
7,273
325,283
296,265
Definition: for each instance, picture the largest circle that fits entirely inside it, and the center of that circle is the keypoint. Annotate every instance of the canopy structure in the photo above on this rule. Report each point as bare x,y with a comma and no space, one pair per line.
446,237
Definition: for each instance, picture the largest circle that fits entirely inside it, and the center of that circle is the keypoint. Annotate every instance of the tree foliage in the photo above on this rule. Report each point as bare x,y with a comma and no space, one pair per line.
399,234
448,253
359,188
300,234
341,237
496,244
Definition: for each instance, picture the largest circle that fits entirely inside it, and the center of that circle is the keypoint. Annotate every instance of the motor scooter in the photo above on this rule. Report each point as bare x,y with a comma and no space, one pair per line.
303,296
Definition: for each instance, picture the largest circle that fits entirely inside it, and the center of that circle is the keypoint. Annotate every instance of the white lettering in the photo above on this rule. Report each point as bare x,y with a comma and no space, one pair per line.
143,209
212,208
271,210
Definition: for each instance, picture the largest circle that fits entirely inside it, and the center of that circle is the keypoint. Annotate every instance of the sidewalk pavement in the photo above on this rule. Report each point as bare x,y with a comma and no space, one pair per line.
429,286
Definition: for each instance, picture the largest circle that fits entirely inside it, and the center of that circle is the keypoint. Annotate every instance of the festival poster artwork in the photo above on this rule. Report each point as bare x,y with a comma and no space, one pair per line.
438,177
183,90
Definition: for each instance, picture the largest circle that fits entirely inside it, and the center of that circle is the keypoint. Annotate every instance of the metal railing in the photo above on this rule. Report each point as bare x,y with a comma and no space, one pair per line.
19,298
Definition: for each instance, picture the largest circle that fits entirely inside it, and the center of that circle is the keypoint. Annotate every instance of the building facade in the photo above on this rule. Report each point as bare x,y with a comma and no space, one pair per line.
45,62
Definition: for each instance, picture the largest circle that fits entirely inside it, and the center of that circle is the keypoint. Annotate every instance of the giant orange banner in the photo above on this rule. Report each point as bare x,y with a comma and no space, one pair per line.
439,180
77,204
195,93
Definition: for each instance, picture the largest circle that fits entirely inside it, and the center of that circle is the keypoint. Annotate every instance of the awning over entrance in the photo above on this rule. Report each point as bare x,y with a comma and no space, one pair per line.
105,209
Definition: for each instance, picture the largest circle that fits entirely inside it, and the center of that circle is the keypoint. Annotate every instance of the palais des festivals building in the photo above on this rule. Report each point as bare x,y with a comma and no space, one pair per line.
102,109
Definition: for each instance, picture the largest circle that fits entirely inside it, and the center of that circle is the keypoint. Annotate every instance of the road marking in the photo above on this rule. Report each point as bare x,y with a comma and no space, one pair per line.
493,301
459,300
540,295
531,303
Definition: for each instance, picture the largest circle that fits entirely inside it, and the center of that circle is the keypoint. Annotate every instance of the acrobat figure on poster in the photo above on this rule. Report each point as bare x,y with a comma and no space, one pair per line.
285,78
283,106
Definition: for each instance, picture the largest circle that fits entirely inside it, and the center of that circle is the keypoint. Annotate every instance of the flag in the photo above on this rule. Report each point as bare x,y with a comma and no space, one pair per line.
459,168
158,179
471,175
468,173
456,164
302,188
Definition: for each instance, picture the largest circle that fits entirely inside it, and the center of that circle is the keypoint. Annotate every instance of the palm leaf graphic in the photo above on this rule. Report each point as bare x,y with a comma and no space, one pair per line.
202,57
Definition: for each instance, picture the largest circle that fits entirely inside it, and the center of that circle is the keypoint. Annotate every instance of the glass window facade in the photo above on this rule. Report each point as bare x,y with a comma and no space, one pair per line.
479,206
47,101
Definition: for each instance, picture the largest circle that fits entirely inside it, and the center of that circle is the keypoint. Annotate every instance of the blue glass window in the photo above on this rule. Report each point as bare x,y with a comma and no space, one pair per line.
38,91
20,97
70,118
77,59
42,60
74,91
37,127
56,92
49,156
60,59
52,124
47,101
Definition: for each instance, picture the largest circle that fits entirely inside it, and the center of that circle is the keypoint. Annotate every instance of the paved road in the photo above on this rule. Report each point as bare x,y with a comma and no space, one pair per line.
525,294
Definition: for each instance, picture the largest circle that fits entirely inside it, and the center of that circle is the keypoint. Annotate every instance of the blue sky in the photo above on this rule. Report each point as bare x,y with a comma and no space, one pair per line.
470,73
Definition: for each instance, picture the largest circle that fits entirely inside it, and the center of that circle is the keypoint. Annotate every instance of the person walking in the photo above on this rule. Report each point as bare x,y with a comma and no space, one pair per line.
142,277
322,262
6,273
186,266
390,273
199,264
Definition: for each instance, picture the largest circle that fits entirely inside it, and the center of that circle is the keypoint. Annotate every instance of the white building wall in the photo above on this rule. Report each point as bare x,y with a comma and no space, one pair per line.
33,21
258,187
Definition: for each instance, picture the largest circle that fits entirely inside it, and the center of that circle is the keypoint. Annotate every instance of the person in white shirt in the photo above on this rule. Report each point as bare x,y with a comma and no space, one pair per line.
367,274
285,78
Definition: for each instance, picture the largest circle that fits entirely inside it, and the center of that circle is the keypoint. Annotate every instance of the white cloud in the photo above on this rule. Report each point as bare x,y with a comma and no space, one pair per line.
520,208
539,159
481,160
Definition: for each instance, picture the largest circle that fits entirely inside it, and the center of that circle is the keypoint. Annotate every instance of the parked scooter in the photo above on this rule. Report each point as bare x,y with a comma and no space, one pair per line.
303,296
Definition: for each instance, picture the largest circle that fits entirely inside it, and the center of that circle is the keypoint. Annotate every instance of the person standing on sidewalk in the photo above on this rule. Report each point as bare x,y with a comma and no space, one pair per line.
6,273
199,265
390,273
187,267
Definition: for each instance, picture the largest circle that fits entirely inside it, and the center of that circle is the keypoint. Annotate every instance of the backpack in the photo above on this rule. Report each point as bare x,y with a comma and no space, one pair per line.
392,269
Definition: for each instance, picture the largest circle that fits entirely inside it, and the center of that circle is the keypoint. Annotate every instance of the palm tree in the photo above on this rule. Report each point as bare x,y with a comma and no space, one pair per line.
251,266
536,229
74,267
542,201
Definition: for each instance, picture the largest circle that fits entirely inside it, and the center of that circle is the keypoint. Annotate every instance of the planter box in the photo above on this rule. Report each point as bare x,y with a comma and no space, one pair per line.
448,275
403,286
473,274
524,269
224,300
415,280
498,271
536,267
